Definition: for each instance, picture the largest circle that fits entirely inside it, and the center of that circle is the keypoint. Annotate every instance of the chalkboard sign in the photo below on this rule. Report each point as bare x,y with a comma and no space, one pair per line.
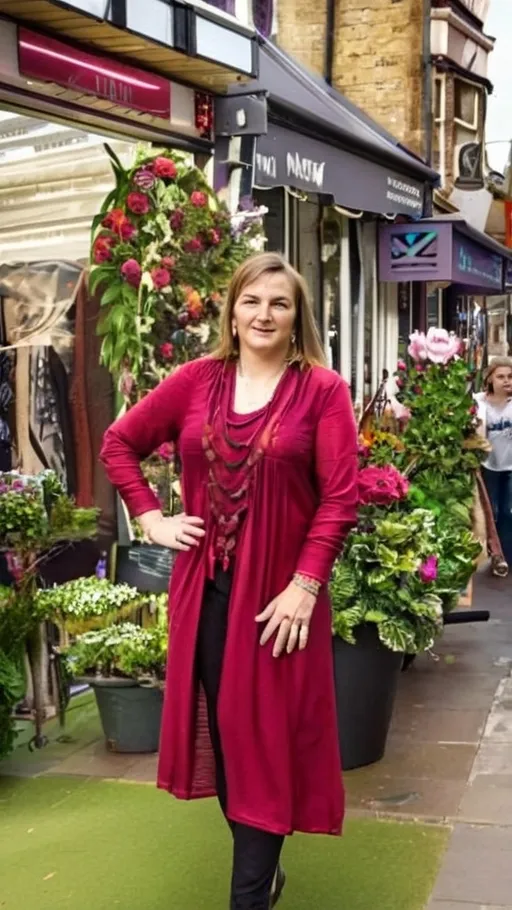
145,566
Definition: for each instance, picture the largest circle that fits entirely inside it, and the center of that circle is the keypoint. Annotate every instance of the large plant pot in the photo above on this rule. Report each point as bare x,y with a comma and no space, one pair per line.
366,675
130,714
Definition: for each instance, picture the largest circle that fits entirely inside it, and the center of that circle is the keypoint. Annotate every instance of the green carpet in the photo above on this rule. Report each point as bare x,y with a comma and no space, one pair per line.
93,845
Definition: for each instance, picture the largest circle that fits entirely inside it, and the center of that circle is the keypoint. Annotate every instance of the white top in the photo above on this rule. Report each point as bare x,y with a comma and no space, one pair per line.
498,430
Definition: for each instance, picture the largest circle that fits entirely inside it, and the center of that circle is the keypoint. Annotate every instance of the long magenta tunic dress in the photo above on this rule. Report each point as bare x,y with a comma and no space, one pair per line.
277,717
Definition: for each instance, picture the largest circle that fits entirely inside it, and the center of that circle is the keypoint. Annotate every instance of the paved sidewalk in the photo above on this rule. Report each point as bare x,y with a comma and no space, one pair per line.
477,870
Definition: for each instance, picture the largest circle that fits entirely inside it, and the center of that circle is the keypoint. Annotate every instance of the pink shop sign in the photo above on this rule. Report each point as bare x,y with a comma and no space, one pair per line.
48,60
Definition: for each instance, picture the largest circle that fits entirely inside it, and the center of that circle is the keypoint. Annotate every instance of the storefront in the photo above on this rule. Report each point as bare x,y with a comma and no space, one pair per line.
461,268
72,76
326,172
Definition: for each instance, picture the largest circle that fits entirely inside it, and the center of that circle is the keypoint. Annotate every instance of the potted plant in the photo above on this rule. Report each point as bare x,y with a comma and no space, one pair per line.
125,666
89,603
37,520
384,606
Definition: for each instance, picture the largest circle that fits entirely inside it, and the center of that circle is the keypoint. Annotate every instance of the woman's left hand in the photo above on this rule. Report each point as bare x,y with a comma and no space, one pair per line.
289,613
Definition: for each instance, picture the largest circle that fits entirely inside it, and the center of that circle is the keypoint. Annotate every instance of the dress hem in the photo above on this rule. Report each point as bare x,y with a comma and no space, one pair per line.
251,823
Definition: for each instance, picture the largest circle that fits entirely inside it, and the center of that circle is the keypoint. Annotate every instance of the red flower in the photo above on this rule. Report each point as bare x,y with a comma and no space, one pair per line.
381,486
214,236
166,451
473,409
176,220
168,262
138,203
102,248
195,245
161,278
401,365
131,272
428,570
127,231
167,350
114,220
164,168
400,383
198,199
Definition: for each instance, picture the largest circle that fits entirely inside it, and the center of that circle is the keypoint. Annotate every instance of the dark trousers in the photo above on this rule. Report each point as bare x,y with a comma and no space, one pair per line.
499,488
255,852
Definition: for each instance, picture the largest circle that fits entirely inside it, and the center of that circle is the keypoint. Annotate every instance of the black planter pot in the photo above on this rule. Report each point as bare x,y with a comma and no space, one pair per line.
366,675
130,714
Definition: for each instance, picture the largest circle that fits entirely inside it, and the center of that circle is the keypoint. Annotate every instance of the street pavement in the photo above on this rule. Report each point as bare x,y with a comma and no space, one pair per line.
448,760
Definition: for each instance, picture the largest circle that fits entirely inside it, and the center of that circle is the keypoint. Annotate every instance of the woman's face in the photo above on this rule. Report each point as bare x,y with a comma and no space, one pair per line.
264,315
501,381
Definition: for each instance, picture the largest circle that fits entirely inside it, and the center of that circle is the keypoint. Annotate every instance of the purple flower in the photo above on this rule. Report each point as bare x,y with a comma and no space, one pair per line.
428,570
18,486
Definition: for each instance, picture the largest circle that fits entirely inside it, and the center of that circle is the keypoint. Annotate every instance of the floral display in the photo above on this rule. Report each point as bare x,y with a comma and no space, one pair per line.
89,603
163,253
36,518
381,486
437,346
124,650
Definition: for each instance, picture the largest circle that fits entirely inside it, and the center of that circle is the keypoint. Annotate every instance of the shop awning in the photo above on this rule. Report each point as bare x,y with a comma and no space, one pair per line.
444,248
319,142
185,39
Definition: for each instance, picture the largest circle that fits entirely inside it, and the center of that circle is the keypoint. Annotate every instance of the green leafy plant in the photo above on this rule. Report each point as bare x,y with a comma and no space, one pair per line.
89,603
125,650
164,249
387,576
36,519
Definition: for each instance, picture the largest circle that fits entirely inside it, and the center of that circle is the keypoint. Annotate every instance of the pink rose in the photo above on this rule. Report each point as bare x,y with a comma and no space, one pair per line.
421,368
168,262
195,245
400,383
198,199
381,486
428,570
400,412
214,236
401,366
131,272
161,278
144,178
441,346
167,350
138,203
418,390
164,168
417,346
166,451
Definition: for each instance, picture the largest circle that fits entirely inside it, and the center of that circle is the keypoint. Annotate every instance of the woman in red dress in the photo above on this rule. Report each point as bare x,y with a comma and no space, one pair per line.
268,446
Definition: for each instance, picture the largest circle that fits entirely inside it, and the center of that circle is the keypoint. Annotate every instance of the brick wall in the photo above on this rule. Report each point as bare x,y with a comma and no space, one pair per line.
301,31
378,63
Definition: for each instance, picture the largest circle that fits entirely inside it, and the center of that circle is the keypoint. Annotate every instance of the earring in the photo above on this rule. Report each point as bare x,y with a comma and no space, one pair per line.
293,338
235,332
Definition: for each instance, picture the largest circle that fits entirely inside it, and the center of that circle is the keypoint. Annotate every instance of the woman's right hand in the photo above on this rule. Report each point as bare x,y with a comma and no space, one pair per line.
181,532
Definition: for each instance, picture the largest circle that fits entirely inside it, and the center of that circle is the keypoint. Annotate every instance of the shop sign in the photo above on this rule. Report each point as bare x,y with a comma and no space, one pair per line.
437,251
287,158
473,264
48,60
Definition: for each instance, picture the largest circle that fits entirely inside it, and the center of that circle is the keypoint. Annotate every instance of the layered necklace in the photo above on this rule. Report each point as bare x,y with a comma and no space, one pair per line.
234,444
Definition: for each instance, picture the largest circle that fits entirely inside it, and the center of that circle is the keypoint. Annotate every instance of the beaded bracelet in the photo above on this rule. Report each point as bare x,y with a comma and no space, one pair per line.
311,585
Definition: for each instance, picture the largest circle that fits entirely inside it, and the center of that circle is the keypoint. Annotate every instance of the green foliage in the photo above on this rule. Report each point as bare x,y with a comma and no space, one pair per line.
125,650
378,580
89,603
12,688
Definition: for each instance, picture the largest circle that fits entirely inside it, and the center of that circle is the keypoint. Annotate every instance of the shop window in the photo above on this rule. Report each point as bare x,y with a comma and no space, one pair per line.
263,16
308,251
331,260
274,221
466,104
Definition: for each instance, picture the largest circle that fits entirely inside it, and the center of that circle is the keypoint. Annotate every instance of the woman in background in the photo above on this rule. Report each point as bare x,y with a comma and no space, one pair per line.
495,414
268,446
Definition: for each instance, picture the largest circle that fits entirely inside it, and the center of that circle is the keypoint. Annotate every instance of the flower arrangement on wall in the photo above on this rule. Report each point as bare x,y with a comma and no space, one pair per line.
164,249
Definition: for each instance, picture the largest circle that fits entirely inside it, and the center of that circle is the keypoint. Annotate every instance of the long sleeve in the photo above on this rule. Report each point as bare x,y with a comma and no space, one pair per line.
336,477
132,438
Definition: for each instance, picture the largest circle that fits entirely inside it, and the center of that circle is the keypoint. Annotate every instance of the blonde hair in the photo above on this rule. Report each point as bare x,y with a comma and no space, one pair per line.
496,364
307,350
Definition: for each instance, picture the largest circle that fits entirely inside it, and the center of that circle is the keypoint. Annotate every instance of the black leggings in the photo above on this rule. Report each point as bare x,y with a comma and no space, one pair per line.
256,852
